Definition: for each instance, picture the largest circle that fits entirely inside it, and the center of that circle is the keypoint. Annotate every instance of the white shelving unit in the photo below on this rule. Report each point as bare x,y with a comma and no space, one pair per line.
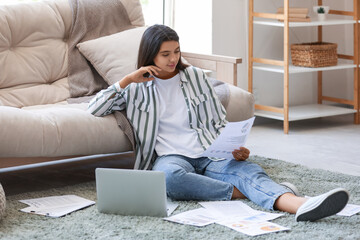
295,69
293,113
303,112
313,23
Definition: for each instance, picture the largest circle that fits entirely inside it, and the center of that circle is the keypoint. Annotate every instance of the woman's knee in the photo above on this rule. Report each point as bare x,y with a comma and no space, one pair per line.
174,177
176,170
173,174
249,168
175,183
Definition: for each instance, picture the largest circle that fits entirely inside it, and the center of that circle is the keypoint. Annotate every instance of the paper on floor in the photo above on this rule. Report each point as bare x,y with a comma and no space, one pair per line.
55,206
198,217
252,228
349,210
233,214
228,209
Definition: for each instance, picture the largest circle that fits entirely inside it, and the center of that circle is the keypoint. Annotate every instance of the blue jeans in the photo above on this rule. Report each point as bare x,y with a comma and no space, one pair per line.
207,180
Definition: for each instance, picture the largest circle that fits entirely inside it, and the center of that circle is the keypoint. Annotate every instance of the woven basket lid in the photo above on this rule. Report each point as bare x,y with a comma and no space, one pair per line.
314,46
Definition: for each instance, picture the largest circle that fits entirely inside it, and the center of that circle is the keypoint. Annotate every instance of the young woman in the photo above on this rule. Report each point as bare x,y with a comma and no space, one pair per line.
176,115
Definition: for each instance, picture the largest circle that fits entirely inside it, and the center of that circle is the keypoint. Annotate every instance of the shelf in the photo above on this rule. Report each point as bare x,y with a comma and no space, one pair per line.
294,69
307,112
284,65
313,22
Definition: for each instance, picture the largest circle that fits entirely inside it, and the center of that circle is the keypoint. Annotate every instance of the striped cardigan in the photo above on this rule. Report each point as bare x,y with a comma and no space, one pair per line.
206,114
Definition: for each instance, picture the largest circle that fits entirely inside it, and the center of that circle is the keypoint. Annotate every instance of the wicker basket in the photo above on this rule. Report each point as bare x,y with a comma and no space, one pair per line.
2,202
315,54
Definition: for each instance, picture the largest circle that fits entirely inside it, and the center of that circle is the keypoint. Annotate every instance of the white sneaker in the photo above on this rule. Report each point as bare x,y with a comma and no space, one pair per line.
323,205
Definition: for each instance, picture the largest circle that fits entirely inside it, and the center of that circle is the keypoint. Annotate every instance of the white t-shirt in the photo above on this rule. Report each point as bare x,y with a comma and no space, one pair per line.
174,135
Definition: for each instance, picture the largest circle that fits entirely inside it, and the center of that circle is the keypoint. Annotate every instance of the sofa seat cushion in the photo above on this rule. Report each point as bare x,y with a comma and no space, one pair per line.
55,130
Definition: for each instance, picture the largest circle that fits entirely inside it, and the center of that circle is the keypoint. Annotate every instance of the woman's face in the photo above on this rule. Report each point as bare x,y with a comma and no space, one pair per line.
167,59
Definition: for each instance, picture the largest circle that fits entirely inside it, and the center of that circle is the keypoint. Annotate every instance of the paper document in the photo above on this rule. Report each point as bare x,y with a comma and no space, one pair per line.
55,206
170,206
237,209
349,210
222,212
228,208
233,214
232,137
252,228
198,217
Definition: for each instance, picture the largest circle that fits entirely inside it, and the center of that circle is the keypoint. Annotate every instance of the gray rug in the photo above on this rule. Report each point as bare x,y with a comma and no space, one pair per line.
89,224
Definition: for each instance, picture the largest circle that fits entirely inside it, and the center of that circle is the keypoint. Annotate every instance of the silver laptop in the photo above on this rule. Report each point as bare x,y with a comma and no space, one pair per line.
132,192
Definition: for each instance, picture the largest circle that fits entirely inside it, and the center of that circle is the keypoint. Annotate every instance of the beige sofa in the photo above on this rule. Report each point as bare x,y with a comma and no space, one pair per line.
38,124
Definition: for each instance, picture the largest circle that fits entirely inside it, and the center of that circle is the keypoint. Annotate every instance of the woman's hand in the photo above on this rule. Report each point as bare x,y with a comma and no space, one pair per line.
138,75
241,154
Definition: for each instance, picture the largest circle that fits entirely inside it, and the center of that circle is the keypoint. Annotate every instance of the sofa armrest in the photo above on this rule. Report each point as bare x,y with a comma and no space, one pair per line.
241,104
224,66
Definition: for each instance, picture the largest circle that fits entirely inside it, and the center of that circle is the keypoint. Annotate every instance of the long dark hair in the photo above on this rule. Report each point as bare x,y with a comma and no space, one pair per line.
151,42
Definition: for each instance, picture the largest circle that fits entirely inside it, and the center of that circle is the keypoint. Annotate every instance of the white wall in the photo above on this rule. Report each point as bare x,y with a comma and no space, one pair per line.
230,27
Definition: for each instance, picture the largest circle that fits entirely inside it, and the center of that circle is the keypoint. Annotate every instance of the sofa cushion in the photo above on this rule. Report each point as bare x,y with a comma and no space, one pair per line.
241,104
33,49
34,52
34,94
113,56
58,130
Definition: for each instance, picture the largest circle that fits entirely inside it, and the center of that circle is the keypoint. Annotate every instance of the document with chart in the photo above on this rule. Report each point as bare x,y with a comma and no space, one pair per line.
232,137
